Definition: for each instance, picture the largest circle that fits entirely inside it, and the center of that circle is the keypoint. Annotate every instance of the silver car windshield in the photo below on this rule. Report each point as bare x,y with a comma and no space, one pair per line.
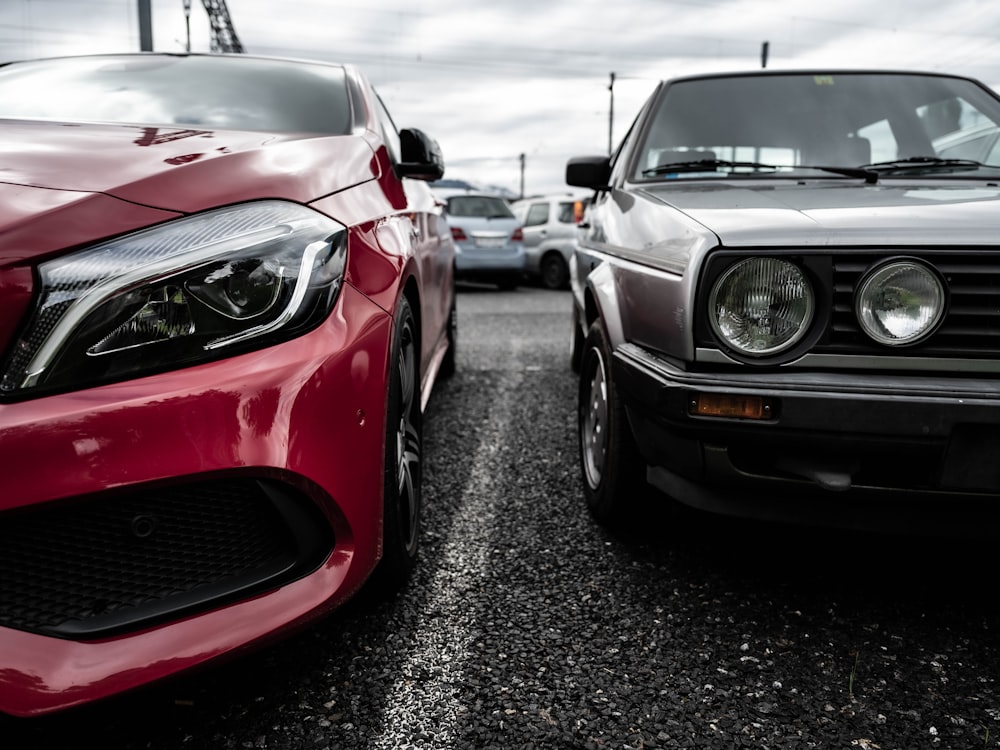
195,91
838,125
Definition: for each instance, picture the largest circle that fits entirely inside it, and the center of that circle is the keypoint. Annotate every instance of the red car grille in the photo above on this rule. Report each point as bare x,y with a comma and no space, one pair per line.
116,563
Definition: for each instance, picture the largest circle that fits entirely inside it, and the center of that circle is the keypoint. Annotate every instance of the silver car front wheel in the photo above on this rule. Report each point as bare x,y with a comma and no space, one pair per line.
613,471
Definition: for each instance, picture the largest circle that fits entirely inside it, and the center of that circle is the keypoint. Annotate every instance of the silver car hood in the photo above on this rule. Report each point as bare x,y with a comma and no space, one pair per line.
822,214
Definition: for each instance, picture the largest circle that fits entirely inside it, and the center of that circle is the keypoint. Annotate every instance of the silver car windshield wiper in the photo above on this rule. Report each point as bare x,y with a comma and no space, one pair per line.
704,165
869,176
708,165
924,164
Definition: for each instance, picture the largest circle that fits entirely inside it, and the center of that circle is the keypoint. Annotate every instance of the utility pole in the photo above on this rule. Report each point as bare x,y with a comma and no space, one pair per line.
763,54
145,26
187,23
611,112
522,174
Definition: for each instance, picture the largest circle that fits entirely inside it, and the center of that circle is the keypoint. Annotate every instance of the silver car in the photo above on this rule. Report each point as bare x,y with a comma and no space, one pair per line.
786,303
489,243
549,223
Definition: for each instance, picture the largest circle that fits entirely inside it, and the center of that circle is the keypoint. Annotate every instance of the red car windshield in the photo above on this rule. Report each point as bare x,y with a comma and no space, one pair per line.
210,92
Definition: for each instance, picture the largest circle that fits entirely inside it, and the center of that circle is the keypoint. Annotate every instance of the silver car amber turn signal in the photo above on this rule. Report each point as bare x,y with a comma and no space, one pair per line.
761,306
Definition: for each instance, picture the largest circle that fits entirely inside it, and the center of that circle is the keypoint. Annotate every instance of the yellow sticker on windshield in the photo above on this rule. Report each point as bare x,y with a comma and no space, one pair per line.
823,80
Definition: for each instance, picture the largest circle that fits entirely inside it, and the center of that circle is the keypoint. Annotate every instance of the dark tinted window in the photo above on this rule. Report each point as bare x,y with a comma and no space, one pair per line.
538,214
567,212
486,206
389,131
236,92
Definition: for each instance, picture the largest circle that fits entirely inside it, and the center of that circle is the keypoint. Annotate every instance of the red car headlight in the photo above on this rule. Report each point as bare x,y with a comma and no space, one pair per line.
195,289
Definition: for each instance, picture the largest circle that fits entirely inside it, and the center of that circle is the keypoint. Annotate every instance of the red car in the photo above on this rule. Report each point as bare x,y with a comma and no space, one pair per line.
226,292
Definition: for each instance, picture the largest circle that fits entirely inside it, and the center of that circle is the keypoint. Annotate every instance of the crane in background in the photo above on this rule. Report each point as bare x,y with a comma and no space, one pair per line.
223,39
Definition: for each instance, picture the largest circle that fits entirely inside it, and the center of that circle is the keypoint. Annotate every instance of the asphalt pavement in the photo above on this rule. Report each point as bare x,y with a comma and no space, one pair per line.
526,625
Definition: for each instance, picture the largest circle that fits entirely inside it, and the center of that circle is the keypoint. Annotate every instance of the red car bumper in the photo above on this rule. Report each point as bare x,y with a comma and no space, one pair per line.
305,418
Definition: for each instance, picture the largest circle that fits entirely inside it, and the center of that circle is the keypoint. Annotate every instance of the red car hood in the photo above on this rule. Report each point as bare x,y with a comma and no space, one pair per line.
66,185
180,169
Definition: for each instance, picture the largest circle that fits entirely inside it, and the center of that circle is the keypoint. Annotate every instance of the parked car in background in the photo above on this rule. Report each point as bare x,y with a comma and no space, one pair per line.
489,244
785,303
549,223
453,184
226,292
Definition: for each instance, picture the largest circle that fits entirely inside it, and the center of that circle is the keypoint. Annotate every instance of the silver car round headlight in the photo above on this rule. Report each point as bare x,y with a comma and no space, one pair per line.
761,306
900,303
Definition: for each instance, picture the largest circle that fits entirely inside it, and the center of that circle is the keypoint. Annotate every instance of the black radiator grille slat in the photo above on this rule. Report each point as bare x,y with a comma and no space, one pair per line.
971,328
127,559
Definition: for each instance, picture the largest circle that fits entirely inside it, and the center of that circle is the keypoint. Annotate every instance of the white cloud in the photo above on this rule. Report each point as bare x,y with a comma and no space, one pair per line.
495,79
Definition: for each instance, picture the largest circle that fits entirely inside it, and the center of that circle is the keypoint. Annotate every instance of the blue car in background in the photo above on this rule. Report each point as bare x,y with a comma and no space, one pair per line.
489,242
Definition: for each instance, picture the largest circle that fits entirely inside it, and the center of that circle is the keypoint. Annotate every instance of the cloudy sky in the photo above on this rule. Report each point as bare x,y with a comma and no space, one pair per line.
493,81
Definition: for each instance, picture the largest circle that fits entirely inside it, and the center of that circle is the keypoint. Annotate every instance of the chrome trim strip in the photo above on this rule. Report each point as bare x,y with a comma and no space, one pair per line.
950,366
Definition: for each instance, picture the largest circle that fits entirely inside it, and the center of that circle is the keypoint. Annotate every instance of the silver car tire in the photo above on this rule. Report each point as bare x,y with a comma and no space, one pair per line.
613,471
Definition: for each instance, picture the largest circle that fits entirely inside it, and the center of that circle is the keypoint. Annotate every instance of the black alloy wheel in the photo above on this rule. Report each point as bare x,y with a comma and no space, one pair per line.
448,364
403,445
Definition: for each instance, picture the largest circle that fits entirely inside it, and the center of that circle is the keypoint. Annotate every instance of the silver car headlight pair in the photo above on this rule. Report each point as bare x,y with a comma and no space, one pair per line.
190,290
764,306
